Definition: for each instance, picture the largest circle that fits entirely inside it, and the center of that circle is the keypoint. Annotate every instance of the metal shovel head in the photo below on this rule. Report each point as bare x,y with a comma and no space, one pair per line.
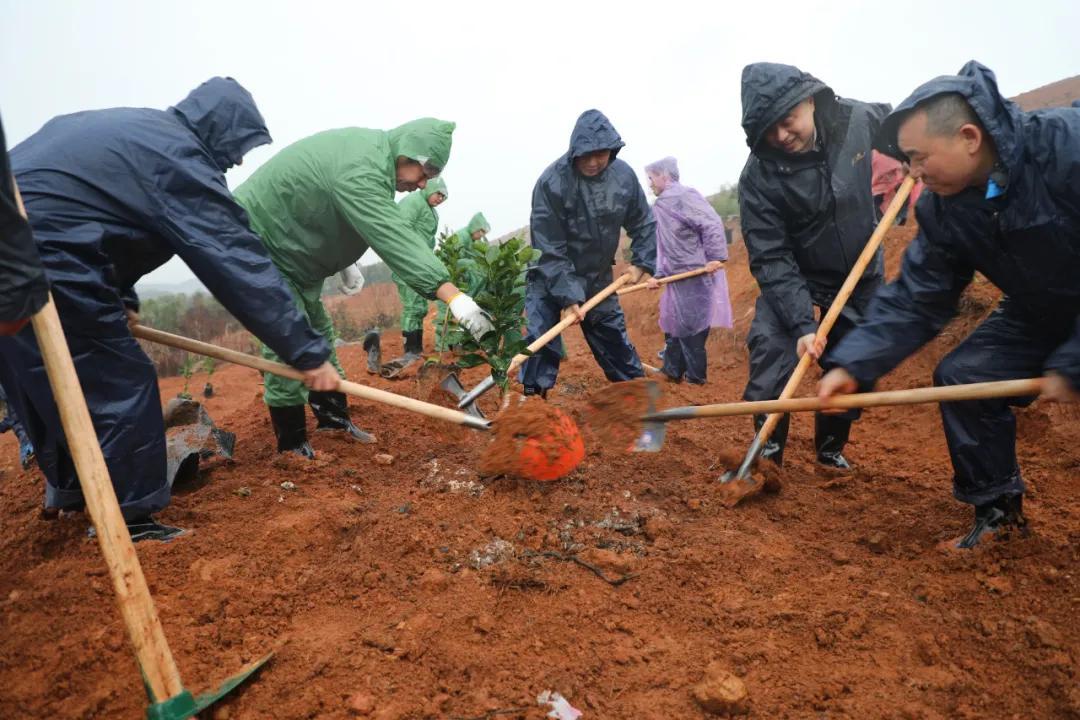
184,705
652,437
452,385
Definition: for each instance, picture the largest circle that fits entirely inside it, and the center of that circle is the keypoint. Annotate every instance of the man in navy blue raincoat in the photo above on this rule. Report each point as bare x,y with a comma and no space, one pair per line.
807,210
111,195
579,205
1004,201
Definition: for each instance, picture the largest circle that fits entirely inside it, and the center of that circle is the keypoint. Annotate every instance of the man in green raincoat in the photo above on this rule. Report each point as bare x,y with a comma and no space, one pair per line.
419,213
318,205
474,232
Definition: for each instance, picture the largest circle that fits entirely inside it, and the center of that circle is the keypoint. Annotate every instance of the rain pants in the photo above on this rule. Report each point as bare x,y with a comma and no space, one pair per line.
575,224
689,234
111,195
320,203
805,220
424,220
1024,236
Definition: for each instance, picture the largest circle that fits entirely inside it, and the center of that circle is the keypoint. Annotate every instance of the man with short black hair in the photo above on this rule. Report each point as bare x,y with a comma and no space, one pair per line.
1004,201
318,205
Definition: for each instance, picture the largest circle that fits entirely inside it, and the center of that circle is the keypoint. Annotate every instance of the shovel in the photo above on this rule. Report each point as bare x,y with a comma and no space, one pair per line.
452,384
827,322
652,438
364,392
545,451
616,287
169,699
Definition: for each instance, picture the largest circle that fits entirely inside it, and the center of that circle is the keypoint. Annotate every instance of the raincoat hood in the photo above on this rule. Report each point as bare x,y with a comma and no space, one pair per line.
224,117
977,84
770,91
592,132
478,222
426,140
435,185
665,166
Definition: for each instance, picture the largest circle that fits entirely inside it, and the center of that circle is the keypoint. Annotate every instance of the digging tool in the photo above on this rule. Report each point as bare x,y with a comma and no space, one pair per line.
652,439
542,453
827,322
665,280
556,330
345,386
169,699
618,286
452,384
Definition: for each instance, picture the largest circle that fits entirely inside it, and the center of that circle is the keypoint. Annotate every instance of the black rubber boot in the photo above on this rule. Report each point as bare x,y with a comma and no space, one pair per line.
373,346
774,446
830,437
532,390
332,411
997,516
414,342
290,430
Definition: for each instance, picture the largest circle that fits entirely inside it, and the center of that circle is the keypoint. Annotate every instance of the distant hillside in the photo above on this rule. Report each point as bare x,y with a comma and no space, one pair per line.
1056,94
191,286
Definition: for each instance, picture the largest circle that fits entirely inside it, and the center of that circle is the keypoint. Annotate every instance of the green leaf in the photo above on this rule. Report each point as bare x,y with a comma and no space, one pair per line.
471,360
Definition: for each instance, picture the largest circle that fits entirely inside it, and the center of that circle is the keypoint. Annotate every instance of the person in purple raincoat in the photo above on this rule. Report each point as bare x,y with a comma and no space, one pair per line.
689,235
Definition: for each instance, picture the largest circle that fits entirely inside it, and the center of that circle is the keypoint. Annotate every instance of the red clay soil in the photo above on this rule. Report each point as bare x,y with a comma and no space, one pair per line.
419,590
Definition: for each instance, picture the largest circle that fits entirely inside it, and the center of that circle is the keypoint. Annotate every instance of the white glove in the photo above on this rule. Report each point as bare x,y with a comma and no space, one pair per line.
470,316
351,279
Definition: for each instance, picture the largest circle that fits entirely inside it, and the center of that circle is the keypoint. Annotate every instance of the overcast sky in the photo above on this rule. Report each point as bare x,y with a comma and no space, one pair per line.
514,76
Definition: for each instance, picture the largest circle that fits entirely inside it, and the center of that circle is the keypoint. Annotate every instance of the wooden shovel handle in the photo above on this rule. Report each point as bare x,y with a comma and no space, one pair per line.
349,388
916,396
852,280
665,280
566,322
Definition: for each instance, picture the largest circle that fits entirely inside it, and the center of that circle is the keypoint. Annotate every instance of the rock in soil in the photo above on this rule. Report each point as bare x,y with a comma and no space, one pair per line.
721,693
361,704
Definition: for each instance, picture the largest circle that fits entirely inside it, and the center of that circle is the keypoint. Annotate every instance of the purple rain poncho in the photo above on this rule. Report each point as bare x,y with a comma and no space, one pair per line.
689,234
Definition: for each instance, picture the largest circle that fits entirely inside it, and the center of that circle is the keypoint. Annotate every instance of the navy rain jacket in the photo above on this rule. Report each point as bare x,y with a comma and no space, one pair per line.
113,194
806,218
576,220
1026,241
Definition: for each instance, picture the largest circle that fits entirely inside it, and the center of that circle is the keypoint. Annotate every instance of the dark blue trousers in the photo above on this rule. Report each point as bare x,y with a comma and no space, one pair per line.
605,332
982,433
685,357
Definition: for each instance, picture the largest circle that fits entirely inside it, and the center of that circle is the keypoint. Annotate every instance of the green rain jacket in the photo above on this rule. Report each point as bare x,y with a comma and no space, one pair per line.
420,216
478,222
324,200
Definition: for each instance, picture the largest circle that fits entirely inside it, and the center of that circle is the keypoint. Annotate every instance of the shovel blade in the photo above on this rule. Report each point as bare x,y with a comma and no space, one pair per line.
468,399
185,705
651,438
230,683
452,385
